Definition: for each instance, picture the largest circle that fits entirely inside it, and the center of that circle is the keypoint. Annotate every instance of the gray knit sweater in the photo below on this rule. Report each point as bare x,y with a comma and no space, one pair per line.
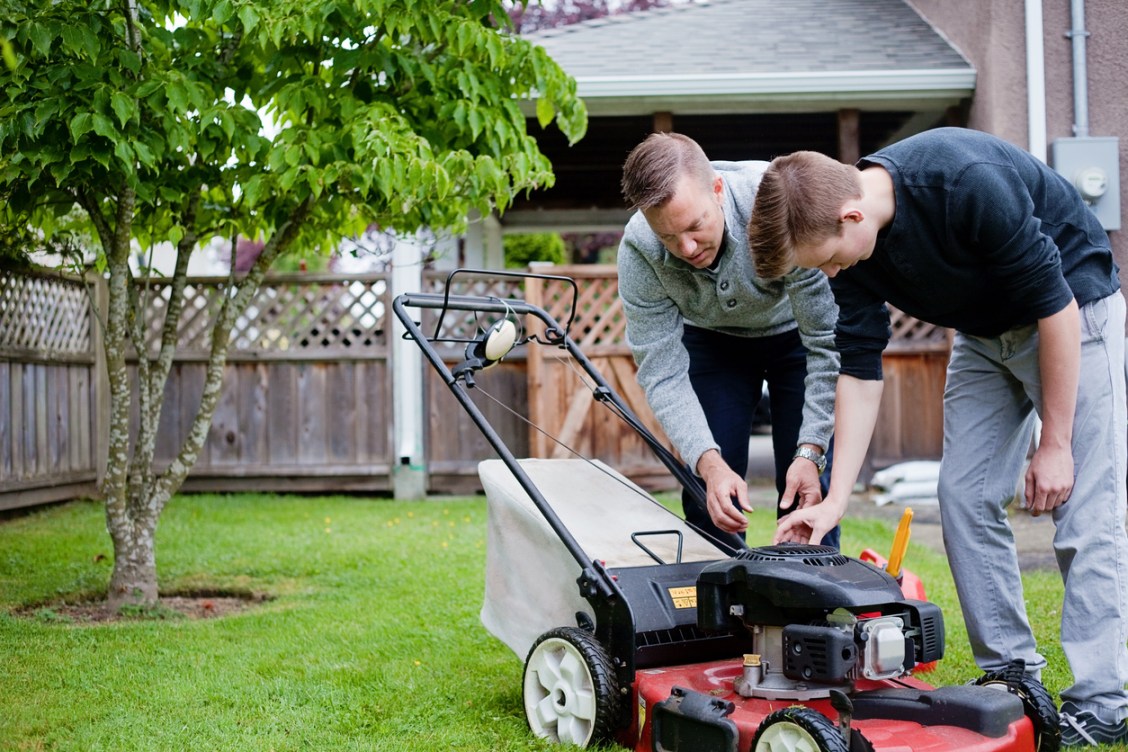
661,292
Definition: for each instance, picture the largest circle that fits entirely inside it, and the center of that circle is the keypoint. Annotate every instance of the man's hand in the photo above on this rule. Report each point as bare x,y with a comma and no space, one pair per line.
802,485
1049,479
809,524
721,486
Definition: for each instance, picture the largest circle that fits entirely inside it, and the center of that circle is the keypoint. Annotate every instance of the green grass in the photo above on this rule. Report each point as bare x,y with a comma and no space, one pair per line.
371,640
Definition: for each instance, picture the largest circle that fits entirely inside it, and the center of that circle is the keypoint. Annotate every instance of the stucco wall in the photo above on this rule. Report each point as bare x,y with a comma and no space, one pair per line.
992,35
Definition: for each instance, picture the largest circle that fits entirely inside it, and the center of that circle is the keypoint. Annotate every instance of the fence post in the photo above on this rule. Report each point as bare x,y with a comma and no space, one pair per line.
409,471
534,370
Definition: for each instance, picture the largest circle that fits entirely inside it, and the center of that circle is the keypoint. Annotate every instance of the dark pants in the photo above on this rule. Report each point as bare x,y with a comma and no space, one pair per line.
728,375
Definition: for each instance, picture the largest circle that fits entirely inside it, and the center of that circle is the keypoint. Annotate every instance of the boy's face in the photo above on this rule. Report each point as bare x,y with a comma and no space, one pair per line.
853,243
691,225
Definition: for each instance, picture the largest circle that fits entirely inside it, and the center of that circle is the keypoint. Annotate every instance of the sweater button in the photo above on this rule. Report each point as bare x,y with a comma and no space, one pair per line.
731,304
724,285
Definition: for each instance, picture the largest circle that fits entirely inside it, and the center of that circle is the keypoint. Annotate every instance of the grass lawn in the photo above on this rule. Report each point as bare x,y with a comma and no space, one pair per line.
371,639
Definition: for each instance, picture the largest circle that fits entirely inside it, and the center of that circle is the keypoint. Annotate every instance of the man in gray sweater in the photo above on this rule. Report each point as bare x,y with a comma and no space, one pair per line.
707,333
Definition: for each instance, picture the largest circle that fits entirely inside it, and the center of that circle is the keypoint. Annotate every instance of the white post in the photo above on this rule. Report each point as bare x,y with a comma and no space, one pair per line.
494,248
409,472
484,249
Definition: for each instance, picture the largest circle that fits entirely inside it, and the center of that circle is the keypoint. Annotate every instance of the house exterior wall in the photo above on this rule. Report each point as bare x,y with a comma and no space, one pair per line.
992,35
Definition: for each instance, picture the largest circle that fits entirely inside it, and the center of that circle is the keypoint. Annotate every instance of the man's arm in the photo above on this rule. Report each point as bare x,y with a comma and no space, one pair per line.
1049,478
815,311
856,407
654,333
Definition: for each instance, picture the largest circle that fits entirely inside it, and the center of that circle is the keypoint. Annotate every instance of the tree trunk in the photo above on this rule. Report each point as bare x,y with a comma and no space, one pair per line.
134,579
135,492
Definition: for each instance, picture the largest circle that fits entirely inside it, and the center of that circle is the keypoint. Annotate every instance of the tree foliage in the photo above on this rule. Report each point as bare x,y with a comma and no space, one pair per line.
295,122
382,111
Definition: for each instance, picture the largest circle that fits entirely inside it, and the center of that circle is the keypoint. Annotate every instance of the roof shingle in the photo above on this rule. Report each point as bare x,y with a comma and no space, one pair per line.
740,37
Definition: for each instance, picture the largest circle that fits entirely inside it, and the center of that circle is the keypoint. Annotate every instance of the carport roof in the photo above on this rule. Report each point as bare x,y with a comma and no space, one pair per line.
761,56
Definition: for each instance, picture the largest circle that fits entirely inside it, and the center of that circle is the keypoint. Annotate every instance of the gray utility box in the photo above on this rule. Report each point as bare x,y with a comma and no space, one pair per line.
1092,164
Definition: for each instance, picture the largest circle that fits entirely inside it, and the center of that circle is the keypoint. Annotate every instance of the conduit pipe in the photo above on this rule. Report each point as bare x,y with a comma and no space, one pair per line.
1080,70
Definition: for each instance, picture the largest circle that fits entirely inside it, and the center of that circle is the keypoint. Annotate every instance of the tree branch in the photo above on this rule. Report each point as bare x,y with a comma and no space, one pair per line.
235,302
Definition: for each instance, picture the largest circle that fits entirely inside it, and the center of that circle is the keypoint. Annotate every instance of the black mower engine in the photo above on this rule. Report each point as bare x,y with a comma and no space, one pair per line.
819,620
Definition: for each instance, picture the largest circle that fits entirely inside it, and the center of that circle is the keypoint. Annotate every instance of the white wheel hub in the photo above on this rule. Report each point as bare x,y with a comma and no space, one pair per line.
559,693
786,737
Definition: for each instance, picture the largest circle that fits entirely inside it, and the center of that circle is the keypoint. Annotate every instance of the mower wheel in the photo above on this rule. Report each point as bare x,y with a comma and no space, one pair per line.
1036,702
798,729
570,690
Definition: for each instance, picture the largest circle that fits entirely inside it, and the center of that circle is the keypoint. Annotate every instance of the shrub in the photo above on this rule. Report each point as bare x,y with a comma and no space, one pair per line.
520,250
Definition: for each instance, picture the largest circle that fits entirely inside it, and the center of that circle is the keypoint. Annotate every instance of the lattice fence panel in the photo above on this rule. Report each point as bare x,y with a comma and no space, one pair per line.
599,318
909,332
45,314
288,316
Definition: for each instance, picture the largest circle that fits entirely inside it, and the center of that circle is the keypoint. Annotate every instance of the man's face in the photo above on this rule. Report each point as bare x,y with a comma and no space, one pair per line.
691,225
853,243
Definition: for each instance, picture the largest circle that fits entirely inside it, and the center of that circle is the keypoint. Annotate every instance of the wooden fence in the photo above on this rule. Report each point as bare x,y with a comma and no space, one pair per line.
49,390
307,397
306,401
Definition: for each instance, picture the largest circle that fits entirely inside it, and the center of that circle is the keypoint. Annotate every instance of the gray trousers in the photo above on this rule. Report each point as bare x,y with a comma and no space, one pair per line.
993,390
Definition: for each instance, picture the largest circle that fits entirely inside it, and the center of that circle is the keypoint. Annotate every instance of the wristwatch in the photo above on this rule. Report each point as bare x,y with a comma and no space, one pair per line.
813,455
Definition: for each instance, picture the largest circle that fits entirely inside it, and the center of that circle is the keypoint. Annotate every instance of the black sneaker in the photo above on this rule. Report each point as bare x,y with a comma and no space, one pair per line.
1083,728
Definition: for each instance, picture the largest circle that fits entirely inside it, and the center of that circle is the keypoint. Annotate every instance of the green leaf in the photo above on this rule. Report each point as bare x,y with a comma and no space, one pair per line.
144,153
124,107
222,11
475,122
103,126
45,110
253,190
149,87
40,38
249,17
545,111
72,38
227,124
177,95
124,152
130,60
80,124
175,233
8,54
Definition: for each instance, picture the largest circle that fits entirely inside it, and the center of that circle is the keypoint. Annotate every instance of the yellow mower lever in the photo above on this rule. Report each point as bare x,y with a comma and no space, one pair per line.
900,543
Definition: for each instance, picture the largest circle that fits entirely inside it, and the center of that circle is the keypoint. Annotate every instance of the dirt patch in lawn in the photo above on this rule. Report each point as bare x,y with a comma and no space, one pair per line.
211,605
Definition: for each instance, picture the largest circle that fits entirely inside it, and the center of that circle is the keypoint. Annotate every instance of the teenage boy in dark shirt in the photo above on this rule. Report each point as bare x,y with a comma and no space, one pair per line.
961,229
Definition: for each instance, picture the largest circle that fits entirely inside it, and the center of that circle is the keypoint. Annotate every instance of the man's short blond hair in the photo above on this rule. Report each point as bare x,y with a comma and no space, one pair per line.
654,168
798,203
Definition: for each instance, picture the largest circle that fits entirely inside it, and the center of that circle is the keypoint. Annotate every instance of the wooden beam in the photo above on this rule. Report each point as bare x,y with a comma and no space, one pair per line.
849,142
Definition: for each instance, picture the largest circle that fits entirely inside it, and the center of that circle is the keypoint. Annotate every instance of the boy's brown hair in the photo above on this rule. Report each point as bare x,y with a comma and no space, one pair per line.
797,204
654,167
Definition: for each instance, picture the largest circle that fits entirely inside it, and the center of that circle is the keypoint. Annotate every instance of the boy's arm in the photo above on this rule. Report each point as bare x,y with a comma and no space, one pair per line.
1049,478
855,415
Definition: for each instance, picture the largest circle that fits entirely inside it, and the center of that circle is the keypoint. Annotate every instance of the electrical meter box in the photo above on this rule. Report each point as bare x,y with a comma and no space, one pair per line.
1092,164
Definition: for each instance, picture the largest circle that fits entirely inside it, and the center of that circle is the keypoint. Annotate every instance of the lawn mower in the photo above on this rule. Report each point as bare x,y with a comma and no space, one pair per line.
637,628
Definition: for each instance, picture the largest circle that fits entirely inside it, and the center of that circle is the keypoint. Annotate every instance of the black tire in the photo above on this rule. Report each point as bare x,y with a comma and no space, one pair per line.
798,729
1036,702
569,688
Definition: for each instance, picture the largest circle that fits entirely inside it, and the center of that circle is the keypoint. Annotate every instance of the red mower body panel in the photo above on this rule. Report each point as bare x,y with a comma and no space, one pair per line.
653,686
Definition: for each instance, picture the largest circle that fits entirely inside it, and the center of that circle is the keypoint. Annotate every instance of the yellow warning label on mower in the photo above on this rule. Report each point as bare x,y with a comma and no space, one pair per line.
683,597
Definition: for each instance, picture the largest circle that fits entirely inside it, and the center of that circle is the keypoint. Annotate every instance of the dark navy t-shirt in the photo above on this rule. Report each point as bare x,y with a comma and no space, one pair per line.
985,238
